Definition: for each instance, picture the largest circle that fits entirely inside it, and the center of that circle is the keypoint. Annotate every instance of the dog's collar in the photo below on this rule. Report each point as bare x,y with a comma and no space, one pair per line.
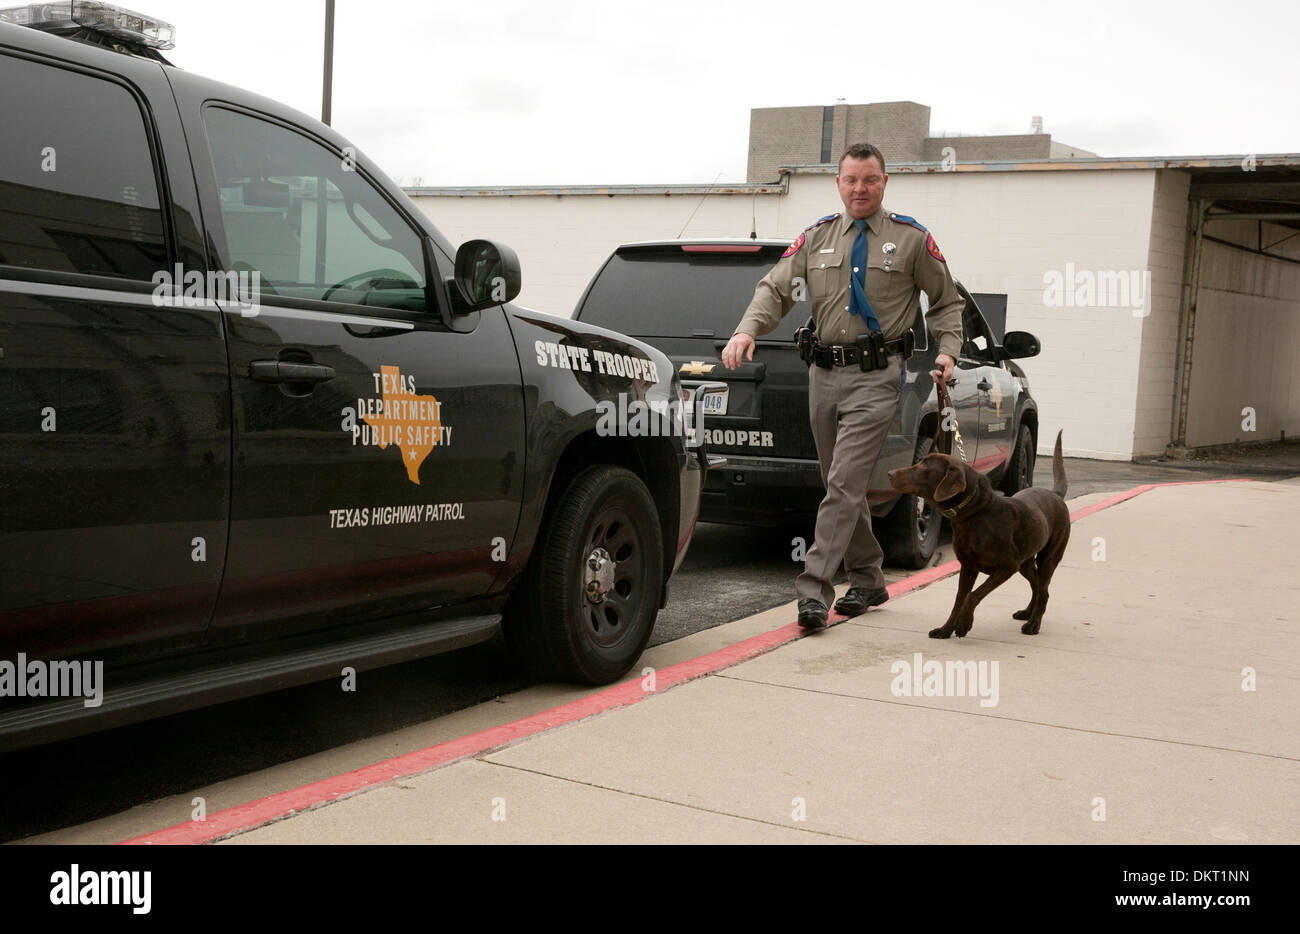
951,511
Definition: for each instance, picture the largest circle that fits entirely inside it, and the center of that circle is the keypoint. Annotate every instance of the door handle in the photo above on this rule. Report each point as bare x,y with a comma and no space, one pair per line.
282,371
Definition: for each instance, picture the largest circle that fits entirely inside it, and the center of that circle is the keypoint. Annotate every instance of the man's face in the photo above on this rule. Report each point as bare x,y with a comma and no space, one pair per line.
862,186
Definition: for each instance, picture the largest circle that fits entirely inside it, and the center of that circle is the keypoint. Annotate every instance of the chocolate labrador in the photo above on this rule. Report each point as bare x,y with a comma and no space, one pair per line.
994,534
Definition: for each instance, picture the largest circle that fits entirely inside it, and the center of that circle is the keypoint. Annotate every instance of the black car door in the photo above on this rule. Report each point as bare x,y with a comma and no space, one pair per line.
377,440
114,431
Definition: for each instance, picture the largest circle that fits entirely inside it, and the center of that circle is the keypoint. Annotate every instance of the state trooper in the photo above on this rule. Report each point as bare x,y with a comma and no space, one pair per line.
862,270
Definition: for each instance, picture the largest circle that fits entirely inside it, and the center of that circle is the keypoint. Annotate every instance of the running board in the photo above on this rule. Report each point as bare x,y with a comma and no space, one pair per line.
68,717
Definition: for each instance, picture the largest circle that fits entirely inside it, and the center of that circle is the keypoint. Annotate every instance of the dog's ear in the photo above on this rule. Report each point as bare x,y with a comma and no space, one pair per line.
953,482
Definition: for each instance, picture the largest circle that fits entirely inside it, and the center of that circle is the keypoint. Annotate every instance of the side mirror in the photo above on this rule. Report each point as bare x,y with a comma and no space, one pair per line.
1019,344
487,273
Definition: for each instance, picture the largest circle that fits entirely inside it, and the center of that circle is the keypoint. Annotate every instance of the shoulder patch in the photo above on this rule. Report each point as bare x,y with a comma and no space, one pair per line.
828,217
798,241
909,221
933,248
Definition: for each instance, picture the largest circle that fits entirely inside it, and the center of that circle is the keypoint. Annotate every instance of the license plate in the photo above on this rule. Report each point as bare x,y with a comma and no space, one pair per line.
715,403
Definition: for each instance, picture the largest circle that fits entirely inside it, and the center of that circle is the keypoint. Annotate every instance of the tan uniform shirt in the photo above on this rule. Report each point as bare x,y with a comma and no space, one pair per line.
902,259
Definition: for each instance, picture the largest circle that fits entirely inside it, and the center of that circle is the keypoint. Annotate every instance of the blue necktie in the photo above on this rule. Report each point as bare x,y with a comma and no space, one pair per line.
858,304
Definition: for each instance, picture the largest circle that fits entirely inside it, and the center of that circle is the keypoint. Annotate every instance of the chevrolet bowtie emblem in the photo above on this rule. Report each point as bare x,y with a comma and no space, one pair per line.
697,368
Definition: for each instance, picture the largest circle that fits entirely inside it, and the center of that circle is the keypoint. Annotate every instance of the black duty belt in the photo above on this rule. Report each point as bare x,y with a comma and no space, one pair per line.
869,353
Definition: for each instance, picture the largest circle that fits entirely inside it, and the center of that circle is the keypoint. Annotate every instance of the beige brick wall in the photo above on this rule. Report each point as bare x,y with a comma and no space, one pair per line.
989,148
896,128
1066,151
793,135
782,136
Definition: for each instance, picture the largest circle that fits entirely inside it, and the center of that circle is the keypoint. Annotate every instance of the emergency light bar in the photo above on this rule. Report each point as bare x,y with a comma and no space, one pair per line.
106,19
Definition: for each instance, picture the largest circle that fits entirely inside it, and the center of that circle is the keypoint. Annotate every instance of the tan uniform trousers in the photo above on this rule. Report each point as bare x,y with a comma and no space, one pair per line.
851,413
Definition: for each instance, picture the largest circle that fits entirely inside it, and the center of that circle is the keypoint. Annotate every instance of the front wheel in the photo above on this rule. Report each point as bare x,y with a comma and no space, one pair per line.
1020,469
589,598
910,532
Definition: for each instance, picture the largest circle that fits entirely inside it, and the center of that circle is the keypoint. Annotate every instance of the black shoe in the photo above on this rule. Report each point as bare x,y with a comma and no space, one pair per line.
856,601
812,613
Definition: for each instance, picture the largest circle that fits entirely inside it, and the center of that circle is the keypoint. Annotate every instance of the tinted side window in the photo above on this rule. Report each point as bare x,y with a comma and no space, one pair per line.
670,293
975,330
78,187
272,182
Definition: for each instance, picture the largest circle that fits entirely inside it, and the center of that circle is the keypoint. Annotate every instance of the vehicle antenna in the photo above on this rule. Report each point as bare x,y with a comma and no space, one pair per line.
698,206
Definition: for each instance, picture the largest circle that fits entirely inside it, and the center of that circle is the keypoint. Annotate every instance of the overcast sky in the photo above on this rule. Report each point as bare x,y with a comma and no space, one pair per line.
513,93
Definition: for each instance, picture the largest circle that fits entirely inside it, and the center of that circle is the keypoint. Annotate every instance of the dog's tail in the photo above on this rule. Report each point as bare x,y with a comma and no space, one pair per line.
1059,486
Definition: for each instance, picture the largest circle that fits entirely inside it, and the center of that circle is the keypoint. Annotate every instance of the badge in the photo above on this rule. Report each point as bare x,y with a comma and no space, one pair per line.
794,247
933,248
889,249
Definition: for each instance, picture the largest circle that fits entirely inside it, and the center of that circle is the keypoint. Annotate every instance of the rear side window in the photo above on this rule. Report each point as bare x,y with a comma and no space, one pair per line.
78,186
311,225
671,293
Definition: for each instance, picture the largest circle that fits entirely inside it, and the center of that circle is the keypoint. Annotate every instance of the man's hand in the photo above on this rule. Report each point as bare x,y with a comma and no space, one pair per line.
944,363
741,346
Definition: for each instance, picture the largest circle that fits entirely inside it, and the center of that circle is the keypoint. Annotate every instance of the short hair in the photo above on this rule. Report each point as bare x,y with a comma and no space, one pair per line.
862,151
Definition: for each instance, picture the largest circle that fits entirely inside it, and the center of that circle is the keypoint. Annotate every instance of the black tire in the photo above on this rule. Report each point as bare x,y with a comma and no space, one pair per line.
910,532
561,630
1020,469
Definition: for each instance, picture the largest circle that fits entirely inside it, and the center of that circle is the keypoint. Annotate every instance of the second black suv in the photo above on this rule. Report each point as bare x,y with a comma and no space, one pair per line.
686,298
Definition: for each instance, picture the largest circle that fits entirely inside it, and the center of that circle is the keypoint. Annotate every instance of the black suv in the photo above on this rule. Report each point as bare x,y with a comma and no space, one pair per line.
686,298
260,422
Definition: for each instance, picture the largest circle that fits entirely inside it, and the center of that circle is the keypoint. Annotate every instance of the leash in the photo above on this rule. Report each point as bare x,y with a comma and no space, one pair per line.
945,403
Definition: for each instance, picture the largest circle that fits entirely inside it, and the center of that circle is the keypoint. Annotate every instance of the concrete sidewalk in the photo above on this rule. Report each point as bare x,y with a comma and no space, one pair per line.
1157,706
1129,706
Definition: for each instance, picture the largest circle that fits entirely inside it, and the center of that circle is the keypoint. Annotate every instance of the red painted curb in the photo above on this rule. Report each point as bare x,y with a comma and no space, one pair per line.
252,814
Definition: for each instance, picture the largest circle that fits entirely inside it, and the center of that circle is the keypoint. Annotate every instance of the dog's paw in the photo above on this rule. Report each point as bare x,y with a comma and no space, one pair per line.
1031,628
960,631
943,632
1021,614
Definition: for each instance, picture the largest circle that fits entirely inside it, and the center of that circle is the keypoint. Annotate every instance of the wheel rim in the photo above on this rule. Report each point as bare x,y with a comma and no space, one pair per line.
1027,467
925,516
926,513
613,577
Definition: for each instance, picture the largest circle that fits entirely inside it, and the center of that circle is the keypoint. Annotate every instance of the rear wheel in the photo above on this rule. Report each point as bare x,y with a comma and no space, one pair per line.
910,532
1020,470
588,601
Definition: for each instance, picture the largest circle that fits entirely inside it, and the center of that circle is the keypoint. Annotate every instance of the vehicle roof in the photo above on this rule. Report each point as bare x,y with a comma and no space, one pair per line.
706,241
126,64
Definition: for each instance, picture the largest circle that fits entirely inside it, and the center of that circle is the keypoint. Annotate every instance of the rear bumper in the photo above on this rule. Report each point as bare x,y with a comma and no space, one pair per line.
768,491
761,491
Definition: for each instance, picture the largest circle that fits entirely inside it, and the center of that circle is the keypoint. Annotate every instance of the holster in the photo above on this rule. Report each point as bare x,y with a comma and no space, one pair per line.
872,348
804,338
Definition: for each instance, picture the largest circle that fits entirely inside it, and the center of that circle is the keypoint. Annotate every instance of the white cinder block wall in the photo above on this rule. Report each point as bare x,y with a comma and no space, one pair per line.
1247,338
1105,373
1010,232
1154,399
